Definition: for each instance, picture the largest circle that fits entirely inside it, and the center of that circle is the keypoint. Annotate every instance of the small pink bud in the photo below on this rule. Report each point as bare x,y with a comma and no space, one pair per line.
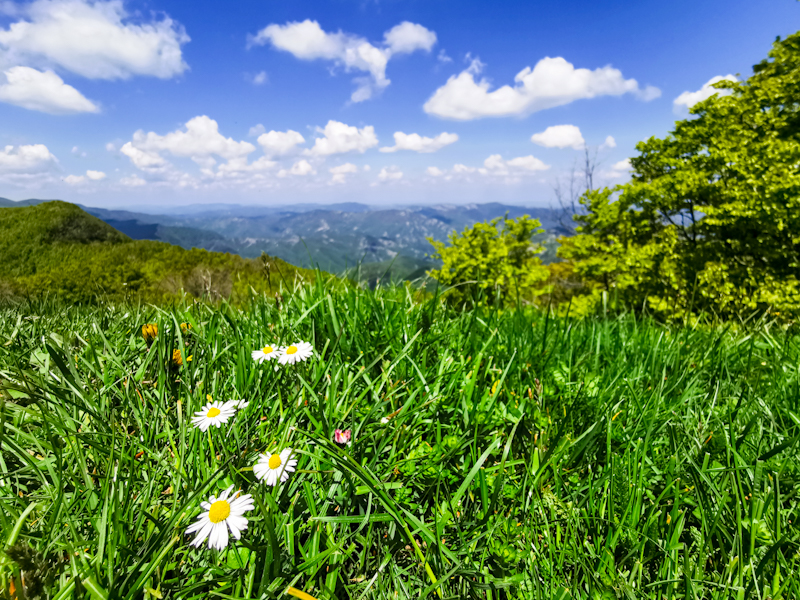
341,437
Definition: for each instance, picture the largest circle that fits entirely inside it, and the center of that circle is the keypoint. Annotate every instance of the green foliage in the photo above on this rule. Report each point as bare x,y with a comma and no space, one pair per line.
526,456
55,248
487,263
711,220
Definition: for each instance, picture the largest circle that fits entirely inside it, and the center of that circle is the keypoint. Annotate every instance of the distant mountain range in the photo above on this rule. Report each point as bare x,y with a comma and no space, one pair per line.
334,238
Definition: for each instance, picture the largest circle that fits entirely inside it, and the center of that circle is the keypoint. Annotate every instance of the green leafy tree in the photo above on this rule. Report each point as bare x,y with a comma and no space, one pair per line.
492,261
711,218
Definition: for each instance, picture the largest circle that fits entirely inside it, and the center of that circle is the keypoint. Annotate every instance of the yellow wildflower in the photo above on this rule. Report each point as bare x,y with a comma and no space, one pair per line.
149,332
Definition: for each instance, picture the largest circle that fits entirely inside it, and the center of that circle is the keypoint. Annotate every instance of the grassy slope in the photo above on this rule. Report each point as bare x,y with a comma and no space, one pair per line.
58,248
648,463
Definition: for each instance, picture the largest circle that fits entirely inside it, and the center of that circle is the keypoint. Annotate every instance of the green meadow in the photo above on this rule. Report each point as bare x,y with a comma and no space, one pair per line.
494,453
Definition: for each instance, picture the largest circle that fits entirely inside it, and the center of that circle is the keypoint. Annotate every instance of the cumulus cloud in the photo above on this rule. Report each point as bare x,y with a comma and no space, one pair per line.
30,159
141,159
339,138
239,165
619,169
390,174
43,91
306,40
527,163
301,168
688,99
200,138
256,130
133,181
609,143
495,166
552,82
277,143
408,37
560,136
417,143
221,159
339,173
95,39
79,179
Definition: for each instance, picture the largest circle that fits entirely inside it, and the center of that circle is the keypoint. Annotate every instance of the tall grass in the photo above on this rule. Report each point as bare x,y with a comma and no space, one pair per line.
524,456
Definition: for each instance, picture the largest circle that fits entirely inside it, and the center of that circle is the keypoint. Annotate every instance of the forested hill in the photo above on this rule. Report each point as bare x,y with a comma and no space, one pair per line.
56,248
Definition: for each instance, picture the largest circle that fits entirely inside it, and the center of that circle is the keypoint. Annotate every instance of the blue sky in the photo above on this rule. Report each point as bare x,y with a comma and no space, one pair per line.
142,104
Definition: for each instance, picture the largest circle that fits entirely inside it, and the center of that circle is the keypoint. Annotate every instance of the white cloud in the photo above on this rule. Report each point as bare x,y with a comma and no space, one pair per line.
306,40
339,173
390,174
111,147
688,99
609,143
552,82
201,138
277,143
256,130
367,168
260,78
34,158
340,138
443,58
496,166
417,143
133,181
618,170
408,37
43,91
95,175
240,165
301,168
560,136
74,179
527,163
141,159
345,168
95,39
434,171
623,165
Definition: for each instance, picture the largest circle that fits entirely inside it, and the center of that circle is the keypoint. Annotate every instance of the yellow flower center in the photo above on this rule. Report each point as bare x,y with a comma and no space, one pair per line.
213,412
291,350
219,511
266,349
274,461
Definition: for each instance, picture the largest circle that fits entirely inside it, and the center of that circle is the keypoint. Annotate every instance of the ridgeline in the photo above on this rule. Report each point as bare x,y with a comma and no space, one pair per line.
58,249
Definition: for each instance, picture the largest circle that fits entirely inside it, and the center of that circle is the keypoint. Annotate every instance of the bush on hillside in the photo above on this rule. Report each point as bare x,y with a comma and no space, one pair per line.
492,262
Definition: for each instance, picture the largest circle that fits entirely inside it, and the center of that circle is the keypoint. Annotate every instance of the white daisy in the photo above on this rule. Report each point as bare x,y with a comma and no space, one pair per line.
220,515
266,353
213,413
239,404
298,351
275,466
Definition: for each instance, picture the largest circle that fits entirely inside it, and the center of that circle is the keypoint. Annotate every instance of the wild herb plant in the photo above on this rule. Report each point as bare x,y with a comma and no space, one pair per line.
492,453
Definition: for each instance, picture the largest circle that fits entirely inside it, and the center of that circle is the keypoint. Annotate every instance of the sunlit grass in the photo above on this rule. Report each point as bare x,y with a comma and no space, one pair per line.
493,454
